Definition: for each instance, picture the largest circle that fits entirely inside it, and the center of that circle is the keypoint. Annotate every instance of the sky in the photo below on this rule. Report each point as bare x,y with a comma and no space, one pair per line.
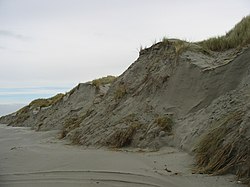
49,46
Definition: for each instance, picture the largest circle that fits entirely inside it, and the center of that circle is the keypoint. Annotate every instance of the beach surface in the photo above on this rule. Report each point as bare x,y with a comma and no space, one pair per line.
38,159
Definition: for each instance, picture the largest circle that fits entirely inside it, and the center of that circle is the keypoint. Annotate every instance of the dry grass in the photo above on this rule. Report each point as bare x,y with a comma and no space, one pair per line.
46,102
71,124
104,80
21,116
120,91
122,137
20,119
224,149
165,39
164,123
24,113
237,37
180,46
23,110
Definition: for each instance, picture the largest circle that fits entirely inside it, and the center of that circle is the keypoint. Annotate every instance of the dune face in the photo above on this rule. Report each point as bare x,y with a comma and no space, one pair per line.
52,116
175,94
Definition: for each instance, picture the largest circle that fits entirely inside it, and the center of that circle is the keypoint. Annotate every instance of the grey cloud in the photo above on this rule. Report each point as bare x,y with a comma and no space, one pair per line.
13,35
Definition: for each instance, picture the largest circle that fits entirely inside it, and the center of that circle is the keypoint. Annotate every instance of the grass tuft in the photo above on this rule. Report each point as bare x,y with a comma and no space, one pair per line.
24,113
164,123
70,124
239,36
104,80
120,91
224,149
46,102
122,137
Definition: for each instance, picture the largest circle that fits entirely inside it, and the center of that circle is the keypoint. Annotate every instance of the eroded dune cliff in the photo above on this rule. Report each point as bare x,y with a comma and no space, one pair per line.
188,95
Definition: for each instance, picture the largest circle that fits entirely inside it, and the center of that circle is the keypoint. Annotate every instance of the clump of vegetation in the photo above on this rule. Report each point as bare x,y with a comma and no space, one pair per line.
71,124
46,102
224,149
20,118
165,39
122,137
24,113
164,123
120,91
180,46
237,37
104,80
23,110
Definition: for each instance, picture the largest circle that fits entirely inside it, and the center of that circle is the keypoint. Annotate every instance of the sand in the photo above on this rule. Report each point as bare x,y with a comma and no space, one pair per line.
34,159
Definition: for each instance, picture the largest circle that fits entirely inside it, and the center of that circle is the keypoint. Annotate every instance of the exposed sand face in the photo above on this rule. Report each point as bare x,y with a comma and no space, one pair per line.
29,158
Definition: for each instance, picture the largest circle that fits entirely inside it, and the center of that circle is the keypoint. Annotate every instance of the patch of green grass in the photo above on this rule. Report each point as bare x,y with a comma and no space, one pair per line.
224,149
237,37
104,80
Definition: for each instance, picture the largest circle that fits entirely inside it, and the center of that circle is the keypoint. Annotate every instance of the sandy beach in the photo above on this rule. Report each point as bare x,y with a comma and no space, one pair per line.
30,158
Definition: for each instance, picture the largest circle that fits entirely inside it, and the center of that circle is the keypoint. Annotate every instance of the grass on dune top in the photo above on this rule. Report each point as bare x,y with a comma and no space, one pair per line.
239,36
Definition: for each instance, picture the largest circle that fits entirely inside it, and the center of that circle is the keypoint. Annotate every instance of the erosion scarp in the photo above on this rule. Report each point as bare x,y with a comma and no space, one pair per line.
176,93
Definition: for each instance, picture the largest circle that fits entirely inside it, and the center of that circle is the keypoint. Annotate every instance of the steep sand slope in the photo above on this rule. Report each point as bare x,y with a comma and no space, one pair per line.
74,104
155,89
175,94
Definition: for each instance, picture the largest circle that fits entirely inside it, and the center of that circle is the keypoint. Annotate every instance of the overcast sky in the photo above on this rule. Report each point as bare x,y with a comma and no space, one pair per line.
48,46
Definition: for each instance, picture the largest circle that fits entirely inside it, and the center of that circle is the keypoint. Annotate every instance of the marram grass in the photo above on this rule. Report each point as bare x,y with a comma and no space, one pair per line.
225,149
239,36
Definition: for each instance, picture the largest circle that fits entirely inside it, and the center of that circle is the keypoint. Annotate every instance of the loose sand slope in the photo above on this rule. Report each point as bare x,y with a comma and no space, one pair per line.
192,96
29,158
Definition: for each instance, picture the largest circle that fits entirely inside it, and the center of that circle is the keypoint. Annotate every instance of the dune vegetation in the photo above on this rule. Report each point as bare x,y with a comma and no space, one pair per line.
225,149
104,80
46,102
239,36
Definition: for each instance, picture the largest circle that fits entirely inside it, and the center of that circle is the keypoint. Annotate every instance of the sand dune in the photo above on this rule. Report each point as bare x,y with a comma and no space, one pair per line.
29,158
